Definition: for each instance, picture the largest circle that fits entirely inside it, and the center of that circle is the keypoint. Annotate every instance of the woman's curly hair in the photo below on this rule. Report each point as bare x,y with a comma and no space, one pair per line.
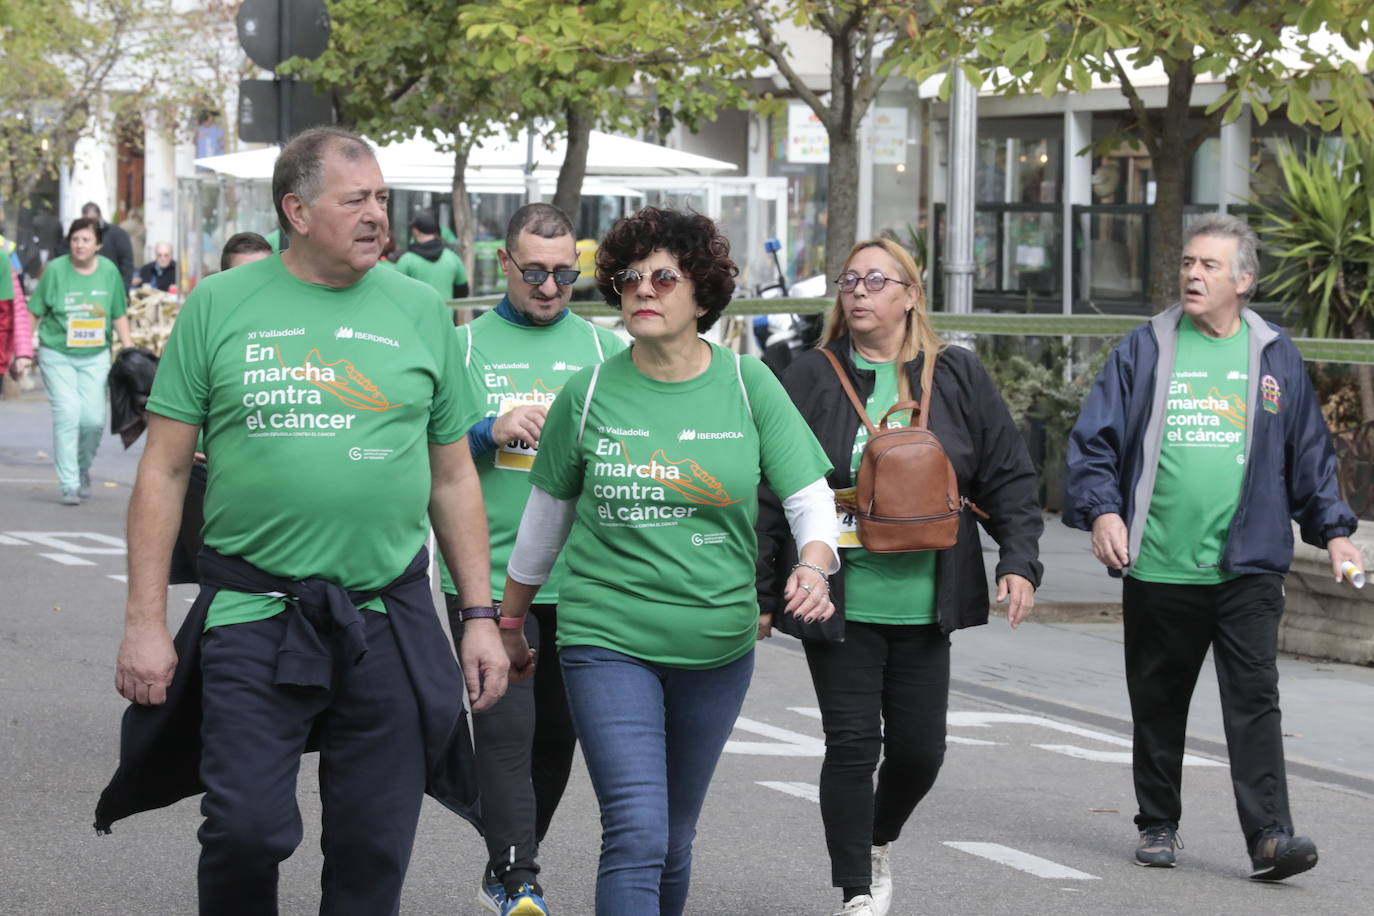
701,251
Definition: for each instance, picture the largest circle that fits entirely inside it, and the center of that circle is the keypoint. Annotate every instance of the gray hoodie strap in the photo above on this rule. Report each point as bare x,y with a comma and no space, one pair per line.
739,374
1165,328
587,403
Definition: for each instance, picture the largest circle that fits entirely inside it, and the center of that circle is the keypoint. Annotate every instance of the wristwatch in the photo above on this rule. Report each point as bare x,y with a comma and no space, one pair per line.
479,613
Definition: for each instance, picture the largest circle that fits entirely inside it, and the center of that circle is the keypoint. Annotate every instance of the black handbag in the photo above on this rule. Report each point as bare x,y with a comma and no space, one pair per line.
830,630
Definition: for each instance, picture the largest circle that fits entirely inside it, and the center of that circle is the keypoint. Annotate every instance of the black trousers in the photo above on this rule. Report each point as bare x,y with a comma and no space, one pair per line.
524,746
371,770
1168,629
884,690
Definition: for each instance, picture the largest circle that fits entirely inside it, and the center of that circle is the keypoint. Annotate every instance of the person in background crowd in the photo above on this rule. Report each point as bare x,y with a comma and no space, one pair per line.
160,272
657,454
244,248
430,261
1197,447
16,329
114,243
525,743
79,305
884,691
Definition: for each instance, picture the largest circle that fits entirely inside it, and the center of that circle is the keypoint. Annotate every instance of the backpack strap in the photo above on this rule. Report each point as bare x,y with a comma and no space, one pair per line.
739,374
923,421
849,390
587,403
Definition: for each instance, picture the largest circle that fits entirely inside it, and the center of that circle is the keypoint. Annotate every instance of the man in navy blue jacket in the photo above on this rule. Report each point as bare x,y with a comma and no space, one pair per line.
1200,440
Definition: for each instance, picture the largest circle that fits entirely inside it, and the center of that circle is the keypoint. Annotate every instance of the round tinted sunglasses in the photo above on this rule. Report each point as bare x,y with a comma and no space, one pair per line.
534,276
662,279
873,281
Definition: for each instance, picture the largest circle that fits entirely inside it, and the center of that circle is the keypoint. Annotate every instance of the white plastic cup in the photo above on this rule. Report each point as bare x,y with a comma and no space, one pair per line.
1353,573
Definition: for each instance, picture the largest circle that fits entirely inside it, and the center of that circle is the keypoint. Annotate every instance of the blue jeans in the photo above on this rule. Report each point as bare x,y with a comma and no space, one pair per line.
651,736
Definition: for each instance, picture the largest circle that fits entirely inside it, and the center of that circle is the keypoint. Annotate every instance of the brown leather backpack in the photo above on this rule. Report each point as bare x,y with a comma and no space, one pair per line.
906,494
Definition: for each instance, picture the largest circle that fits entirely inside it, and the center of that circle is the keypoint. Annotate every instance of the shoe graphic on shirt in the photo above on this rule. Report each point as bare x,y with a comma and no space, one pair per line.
696,484
349,384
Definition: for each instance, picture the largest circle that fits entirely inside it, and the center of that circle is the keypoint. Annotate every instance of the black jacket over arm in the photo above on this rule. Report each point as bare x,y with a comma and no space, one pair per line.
989,456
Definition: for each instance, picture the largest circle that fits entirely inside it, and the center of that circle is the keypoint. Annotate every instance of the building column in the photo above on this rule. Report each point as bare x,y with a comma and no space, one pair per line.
1078,190
1235,161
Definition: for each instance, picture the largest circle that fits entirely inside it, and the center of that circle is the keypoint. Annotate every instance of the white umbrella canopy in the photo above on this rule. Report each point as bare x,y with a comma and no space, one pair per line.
419,164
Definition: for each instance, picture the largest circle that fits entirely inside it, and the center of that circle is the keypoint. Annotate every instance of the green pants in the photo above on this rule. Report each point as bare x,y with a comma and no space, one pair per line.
76,394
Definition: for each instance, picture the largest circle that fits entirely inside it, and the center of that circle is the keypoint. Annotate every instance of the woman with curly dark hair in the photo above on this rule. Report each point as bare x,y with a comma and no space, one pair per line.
648,468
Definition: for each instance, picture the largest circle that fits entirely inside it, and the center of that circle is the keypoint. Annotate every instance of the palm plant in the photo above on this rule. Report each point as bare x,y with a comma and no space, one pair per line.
1320,231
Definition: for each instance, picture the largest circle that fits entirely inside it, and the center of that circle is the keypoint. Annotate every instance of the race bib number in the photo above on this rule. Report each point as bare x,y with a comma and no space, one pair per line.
849,531
86,332
517,455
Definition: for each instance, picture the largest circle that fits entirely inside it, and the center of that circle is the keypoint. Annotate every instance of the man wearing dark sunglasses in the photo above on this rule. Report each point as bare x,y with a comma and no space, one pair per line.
518,357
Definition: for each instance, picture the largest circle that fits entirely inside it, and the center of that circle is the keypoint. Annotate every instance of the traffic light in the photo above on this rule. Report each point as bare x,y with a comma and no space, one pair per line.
272,31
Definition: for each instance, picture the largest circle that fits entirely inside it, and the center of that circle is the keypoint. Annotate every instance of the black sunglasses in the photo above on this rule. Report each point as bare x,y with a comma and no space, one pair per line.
874,280
663,280
563,276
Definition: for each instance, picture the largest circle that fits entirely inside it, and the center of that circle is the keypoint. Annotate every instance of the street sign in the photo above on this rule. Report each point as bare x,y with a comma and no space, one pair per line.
260,109
270,38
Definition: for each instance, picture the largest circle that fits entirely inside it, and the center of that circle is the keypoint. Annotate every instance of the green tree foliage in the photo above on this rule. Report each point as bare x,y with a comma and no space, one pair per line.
1274,57
1320,230
615,64
402,67
867,40
66,67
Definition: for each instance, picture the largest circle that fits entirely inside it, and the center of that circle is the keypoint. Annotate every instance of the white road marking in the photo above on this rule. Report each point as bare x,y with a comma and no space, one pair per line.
1023,861
811,712
7,541
955,739
73,541
785,743
1083,753
66,559
118,578
798,789
985,719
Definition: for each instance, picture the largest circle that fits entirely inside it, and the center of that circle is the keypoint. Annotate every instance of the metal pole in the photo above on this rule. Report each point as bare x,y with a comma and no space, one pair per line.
963,140
283,84
532,195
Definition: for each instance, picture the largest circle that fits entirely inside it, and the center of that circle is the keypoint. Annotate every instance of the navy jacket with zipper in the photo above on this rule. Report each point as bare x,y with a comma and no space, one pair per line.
989,456
1290,466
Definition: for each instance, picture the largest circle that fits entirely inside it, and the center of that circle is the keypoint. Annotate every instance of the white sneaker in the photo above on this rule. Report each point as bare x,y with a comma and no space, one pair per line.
861,905
880,883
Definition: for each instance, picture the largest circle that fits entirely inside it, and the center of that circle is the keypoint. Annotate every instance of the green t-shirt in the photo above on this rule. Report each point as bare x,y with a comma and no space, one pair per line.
6,277
318,406
443,275
661,557
75,311
886,587
509,365
1201,460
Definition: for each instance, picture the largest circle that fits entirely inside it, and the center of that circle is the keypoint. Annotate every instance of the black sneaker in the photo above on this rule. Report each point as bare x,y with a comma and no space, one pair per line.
1157,845
1278,855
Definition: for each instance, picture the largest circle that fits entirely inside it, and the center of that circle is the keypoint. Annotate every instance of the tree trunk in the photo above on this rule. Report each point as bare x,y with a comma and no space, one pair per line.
1170,155
568,195
462,207
842,199
1364,373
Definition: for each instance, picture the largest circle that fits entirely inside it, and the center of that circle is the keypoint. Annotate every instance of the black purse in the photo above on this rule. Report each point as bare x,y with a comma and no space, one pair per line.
830,630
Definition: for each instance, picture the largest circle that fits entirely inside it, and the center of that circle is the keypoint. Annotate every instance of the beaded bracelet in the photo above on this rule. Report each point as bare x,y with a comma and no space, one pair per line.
817,570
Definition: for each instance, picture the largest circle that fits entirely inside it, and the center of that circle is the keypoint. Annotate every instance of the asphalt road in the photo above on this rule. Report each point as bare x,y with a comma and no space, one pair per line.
1032,813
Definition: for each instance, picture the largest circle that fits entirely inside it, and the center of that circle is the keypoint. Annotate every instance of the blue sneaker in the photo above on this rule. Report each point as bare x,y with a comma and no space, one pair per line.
491,894
525,902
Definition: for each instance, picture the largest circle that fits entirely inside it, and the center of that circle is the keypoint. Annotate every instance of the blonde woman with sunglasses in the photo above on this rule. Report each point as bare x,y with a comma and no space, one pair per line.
652,461
884,690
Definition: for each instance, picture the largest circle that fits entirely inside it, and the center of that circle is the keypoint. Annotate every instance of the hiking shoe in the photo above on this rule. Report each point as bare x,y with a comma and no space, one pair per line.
84,491
861,905
525,902
1156,846
491,894
70,498
880,883
1279,855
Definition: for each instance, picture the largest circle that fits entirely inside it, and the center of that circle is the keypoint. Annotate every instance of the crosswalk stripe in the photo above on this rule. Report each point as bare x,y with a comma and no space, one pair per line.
798,789
1022,861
